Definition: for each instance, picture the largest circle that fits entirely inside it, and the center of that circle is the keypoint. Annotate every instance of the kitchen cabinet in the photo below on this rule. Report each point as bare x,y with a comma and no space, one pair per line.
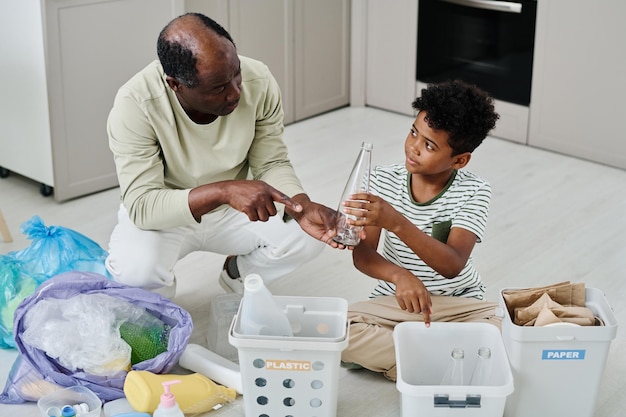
64,62
390,61
305,43
390,56
578,85
306,46
579,82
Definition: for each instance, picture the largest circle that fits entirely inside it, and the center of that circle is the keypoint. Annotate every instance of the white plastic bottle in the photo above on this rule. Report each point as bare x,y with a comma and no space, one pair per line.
200,359
260,315
168,407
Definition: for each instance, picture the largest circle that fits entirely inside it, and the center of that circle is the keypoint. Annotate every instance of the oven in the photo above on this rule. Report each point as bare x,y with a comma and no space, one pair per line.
483,42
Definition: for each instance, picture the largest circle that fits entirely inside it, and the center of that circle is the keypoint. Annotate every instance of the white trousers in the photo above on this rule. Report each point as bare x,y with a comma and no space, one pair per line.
146,258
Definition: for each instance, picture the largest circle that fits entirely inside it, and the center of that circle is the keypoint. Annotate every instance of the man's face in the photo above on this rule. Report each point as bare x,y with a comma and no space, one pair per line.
219,87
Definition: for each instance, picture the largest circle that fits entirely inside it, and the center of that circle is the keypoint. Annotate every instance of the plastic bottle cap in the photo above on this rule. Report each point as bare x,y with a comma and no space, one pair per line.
53,412
68,411
253,282
81,408
167,398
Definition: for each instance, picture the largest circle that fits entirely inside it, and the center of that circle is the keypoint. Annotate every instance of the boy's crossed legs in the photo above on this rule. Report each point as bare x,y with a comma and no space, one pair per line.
372,323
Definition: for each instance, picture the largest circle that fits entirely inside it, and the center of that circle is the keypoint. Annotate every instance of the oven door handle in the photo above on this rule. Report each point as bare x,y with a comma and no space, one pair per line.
500,6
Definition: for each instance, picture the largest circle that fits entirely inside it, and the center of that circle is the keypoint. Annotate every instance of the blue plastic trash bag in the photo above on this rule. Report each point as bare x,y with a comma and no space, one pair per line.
53,250
15,285
57,249
35,373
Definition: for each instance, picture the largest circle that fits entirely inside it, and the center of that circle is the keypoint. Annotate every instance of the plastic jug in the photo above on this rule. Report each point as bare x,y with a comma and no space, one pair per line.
194,394
260,315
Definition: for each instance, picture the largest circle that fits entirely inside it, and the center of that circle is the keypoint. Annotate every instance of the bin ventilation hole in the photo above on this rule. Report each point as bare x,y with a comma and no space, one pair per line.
263,415
316,384
323,328
318,365
289,402
261,400
289,383
315,402
258,363
260,382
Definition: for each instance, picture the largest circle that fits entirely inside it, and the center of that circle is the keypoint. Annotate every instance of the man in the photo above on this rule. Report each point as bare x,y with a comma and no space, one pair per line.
197,142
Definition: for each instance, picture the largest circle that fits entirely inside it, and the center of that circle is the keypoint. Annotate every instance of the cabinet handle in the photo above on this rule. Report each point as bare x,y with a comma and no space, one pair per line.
500,6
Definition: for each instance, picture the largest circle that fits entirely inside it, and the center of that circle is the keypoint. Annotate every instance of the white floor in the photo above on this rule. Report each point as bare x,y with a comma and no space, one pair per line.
553,218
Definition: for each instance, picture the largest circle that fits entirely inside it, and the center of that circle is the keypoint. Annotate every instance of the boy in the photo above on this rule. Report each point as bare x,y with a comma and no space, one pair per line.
431,214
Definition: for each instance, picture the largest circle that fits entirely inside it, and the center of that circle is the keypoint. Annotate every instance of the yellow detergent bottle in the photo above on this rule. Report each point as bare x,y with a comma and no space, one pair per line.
194,394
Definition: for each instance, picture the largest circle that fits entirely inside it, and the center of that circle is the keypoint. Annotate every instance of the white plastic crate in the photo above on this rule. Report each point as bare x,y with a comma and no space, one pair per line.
294,376
558,369
422,357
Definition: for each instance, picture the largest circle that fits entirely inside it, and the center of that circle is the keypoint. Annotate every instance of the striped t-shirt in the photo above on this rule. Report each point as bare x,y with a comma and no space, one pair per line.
464,202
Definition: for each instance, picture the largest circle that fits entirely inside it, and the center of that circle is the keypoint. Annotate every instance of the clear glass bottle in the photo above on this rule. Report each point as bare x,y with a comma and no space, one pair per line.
482,370
260,315
359,181
454,373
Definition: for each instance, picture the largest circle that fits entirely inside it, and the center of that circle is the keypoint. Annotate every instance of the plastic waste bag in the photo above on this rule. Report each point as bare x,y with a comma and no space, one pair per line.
53,250
34,373
16,285
81,332
57,249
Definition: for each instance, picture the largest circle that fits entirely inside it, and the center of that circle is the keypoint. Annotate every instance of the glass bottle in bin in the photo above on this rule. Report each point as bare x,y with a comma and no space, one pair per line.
454,373
482,370
359,181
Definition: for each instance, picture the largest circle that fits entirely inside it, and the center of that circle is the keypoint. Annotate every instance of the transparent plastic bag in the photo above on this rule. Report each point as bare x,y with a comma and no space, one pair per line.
82,332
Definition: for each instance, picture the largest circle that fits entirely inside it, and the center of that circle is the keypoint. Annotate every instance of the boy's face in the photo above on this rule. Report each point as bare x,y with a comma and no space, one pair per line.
427,150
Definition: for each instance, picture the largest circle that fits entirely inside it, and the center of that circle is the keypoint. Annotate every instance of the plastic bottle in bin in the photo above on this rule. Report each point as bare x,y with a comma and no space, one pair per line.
359,181
482,370
260,315
454,372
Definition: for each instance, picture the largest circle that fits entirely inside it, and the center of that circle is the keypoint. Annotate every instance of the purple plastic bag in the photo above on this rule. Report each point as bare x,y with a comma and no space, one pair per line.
34,363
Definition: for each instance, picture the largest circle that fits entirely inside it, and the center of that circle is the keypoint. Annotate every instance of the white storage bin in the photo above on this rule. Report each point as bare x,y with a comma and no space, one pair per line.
422,357
558,369
299,375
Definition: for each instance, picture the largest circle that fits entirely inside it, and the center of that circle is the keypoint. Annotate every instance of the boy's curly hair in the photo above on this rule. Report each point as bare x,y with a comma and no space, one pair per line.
463,110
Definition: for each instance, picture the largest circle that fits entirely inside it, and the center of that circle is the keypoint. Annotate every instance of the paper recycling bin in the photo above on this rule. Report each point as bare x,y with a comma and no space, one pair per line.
557,370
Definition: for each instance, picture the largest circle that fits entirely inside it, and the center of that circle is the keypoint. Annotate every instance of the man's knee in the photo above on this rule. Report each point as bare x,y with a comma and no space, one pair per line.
143,272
